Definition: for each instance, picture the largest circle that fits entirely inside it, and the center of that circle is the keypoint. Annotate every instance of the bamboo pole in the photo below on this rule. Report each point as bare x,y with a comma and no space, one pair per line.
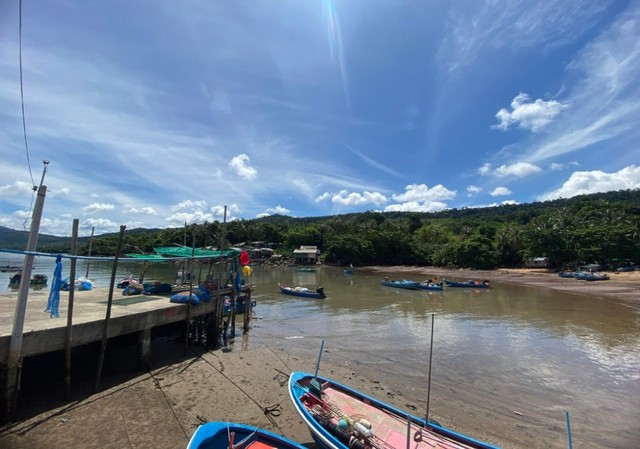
72,286
105,332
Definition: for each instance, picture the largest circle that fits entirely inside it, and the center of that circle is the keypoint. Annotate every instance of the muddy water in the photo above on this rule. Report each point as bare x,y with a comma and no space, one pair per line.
509,364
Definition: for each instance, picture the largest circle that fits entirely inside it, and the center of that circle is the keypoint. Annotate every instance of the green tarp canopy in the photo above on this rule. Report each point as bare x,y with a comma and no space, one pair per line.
166,252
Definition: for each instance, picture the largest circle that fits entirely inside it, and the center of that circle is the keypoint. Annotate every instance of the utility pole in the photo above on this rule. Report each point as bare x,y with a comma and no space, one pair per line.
14,360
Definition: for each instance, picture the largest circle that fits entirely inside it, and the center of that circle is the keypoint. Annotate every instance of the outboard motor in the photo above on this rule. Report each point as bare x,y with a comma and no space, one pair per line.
321,291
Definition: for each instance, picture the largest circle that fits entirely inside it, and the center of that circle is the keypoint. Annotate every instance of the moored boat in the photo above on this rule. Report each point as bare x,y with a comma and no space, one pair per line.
430,285
228,435
339,417
401,283
302,292
468,284
596,277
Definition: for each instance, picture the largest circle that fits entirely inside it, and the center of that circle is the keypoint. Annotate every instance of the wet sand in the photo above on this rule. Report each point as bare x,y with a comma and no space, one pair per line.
160,408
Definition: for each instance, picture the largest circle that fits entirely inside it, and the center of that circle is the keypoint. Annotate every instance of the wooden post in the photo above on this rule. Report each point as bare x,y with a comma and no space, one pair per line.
105,331
14,360
72,287
89,254
144,348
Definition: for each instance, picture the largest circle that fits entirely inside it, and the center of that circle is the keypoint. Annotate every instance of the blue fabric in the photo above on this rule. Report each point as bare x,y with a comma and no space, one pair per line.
54,294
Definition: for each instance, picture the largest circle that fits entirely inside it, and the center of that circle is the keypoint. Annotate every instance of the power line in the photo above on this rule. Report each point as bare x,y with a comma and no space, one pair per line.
24,122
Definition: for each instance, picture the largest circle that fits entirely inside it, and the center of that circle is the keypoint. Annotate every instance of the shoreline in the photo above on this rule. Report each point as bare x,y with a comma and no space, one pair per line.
623,287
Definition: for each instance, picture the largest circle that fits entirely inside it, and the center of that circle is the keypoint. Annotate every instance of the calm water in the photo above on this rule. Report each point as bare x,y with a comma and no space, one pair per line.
509,352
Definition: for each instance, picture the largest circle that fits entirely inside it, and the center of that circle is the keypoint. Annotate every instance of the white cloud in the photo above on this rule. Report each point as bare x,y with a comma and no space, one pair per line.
528,115
485,169
188,204
97,207
142,210
344,198
585,182
420,198
519,169
239,164
473,189
415,206
421,192
197,216
218,211
278,210
17,188
556,166
500,191
322,197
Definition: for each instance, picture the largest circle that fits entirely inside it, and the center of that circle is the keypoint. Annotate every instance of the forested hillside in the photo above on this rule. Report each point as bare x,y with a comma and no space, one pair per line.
599,228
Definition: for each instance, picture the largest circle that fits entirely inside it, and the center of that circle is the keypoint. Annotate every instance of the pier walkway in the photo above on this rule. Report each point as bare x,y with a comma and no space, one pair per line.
138,313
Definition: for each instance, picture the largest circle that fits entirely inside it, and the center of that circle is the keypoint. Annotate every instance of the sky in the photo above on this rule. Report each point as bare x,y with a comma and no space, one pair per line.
156,113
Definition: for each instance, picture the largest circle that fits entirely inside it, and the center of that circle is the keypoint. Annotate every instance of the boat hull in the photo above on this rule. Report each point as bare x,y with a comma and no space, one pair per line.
387,423
407,285
303,294
433,287
215,435
475,284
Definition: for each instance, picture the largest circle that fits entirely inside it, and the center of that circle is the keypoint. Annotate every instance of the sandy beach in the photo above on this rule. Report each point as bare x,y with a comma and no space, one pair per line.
161,408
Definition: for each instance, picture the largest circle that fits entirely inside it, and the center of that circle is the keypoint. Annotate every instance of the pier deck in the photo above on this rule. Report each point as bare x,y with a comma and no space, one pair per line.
43,334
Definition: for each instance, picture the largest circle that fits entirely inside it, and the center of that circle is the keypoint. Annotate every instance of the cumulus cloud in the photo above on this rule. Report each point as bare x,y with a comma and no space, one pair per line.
197,216
240,165
188,204
97,207
528,115
585,182
421,198
344,198
484,170
500,191
322,197
278,210
17,188
142,210
519,169
473,189
421,192
218,211
415,206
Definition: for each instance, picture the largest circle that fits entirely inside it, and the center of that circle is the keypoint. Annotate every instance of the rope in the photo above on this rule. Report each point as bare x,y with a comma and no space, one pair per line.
269,411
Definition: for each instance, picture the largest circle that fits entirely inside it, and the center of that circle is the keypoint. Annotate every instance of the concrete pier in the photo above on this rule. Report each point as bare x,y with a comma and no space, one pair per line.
129,314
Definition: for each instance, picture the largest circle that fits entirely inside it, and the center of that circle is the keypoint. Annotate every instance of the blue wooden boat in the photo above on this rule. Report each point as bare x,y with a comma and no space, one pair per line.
433,286
401,283
468,284
226,435
596,277
302,292
567,274
339,417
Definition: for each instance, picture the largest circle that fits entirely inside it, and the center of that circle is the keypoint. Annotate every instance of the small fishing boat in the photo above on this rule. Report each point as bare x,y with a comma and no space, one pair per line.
596,277
468,284
226,435
306,270
339,417
429,285
37,279
302,292
567,274
401,283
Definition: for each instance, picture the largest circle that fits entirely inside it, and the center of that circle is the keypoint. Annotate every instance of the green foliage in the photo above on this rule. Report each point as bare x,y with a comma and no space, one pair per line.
601,228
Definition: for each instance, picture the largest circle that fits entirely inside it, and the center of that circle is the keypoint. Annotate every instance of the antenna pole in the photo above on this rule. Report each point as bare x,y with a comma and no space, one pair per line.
426,418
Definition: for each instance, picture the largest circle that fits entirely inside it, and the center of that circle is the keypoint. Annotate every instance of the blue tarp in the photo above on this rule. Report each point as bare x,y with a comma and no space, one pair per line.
54,293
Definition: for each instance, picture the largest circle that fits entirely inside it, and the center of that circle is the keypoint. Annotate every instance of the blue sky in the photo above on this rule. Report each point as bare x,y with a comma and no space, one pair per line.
153,113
